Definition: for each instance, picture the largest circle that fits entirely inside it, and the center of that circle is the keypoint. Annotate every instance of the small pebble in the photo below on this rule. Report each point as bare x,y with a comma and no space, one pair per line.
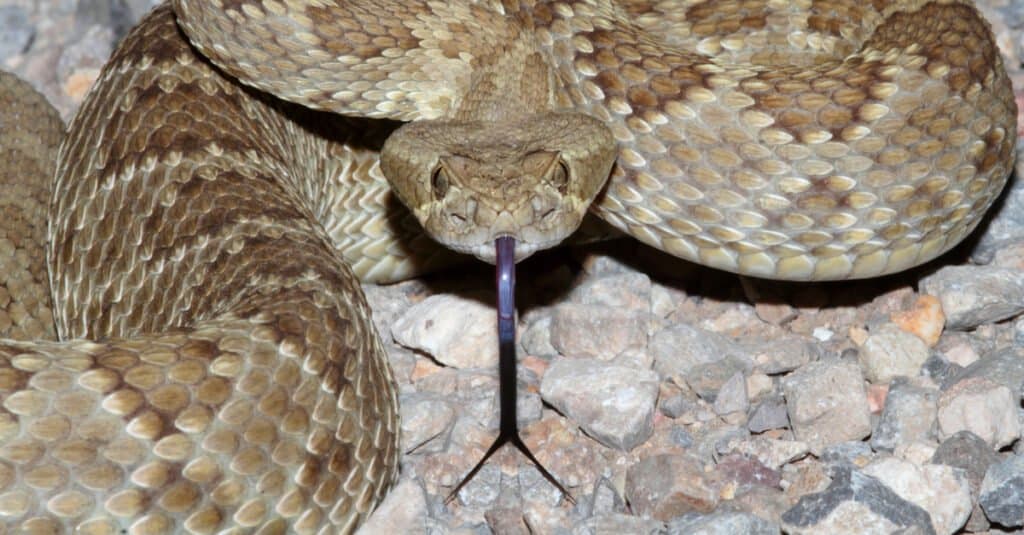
457,331
667,486
1002,492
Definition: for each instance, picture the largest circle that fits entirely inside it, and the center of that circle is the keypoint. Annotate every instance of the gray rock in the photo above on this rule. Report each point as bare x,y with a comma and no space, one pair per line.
732,397
626,291
890,352
855,504
770,413
853,453
975,295
614,404
596,331
666,486
827,403
16,31
619,523
939,369
1006,224
536,338
426,422
721,523
677,349
969,452
782,355
1002,492
708,379
1004,366
908,416
941,490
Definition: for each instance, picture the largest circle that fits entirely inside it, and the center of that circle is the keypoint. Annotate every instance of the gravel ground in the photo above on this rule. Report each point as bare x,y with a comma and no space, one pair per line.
712,403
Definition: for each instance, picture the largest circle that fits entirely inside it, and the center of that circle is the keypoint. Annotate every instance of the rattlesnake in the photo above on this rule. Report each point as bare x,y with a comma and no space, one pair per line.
219,367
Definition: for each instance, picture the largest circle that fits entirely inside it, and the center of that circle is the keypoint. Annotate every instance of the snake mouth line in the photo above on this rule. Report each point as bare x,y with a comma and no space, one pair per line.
486,251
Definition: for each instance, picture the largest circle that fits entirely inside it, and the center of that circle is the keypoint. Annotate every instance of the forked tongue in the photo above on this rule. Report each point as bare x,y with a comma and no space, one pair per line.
508,428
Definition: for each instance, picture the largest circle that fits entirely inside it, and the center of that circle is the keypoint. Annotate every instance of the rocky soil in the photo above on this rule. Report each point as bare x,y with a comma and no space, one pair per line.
674,399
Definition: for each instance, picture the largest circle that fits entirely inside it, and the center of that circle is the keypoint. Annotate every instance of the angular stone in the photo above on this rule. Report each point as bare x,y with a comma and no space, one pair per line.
890,352
677,349
620,523
457,331
770,413
597,331
614,404
721,523
855,504
666,486
981,406
976,295
827,403
773,453
941,490
1002,492
908,416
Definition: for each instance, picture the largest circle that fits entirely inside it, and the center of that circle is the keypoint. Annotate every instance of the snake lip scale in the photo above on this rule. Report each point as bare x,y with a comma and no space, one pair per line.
199,234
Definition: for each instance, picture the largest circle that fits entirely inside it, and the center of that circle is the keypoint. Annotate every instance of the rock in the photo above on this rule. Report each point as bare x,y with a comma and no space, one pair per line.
773,453
732,397
782,355
855,504
941,490
536,338
827,403
853,453
425,423
890,352
770,413
925,320
975,295
666,486
677,349
402,511
596,331
16,31
708,379
506,520
614,404
619,523
721,523
626,291
1002,492
457,331
908,416
1005,225
1004,366
940,370
984,407
736,472
968,452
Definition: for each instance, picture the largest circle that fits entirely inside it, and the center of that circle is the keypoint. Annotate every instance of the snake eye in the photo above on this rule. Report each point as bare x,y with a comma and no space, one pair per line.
439,183
560,177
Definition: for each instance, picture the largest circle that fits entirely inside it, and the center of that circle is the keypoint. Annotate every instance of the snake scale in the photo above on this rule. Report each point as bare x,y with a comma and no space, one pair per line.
217,368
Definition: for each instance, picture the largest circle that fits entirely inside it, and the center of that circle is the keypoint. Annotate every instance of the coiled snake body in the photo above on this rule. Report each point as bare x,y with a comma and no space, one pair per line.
218,367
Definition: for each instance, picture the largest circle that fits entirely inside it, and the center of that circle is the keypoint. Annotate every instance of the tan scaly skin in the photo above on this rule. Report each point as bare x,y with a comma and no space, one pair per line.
217,365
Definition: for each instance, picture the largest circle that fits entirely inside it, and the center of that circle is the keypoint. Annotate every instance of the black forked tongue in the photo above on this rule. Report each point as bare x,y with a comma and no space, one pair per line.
508,428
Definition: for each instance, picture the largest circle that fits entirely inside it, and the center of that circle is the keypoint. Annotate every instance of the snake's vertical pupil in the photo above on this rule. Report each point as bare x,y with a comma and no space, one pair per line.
439,183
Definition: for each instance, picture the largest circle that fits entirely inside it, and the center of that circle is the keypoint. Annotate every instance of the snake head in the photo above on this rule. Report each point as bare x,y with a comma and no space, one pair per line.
471,182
